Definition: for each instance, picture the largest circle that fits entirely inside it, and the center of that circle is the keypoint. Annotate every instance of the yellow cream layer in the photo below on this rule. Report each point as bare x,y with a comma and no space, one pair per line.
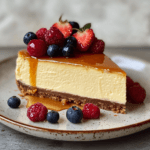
97,80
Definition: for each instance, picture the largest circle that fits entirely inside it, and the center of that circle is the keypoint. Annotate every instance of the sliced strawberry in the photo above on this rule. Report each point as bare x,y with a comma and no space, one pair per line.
64,26
84,39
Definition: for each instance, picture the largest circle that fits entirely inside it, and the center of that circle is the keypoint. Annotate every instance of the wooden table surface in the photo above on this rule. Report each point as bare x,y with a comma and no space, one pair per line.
14,140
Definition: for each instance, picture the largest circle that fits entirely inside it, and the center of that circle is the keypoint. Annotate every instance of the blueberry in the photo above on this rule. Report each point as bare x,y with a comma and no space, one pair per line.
53,50
60,52
74,25
29,36
52,116
67,50
74,114
13,102
71,40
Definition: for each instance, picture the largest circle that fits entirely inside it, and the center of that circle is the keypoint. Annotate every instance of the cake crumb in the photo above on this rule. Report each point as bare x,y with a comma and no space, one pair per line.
64,101
21,95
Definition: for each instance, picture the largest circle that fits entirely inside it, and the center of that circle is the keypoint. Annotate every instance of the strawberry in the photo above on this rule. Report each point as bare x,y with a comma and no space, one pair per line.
85,37
64,26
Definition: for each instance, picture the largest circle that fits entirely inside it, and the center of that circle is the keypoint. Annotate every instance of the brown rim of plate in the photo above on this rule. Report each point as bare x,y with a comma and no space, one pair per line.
69,131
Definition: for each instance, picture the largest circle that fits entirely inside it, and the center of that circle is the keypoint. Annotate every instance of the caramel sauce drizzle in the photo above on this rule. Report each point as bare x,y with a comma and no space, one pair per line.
33,62
49,103
33,68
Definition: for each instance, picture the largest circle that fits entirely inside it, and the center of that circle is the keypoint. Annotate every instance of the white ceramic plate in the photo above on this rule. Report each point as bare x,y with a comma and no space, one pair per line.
110,125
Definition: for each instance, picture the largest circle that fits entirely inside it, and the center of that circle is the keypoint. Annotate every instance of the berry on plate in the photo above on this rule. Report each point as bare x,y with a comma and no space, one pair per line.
71,40
13,102
52,116
90,111
74,25
67,50
41,33
64,26
129,82
137,93
97,46
74,114
37,48
28,37
54,36
53,50
37,112
84,37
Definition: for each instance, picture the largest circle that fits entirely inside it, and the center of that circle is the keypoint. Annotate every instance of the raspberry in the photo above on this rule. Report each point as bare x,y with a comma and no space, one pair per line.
41,33
136,84
129,82
129,99
137,93
37,48
90,111
54,36
97,46
37,112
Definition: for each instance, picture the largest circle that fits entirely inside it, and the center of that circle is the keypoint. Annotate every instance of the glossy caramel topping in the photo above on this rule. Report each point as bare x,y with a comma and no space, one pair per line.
49,103
97,61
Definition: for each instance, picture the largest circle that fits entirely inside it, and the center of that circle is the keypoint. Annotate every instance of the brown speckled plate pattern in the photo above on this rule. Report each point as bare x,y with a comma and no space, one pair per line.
110,125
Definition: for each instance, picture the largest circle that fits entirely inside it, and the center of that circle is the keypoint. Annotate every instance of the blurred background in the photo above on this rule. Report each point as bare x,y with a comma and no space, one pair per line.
120,23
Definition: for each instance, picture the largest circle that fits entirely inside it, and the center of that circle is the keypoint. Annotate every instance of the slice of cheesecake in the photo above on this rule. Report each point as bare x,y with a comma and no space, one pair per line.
88,78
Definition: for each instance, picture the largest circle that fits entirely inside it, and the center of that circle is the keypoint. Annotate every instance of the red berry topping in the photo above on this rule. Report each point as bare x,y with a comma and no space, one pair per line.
41,33
97,46
37,48
37,112
137,93
90,111
64,26
54,36
84,39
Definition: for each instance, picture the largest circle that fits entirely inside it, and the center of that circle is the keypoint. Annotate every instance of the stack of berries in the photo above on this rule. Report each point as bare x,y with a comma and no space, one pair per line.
135,92
63,39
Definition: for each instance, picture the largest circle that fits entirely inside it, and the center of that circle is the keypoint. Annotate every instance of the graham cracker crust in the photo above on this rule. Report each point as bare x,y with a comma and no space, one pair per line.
58,96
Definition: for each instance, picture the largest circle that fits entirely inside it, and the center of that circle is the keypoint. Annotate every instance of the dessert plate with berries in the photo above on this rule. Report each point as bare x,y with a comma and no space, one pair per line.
40,117
108,125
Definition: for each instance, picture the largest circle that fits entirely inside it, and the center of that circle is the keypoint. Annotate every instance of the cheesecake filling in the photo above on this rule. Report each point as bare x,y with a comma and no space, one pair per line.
81,80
